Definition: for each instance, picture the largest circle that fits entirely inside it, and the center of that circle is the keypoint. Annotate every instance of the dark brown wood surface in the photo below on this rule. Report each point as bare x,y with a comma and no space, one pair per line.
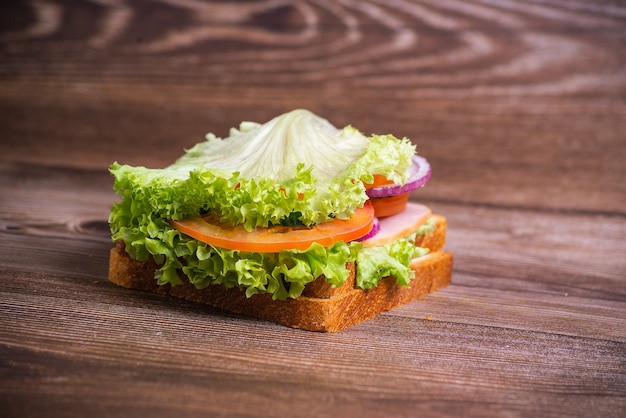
520,106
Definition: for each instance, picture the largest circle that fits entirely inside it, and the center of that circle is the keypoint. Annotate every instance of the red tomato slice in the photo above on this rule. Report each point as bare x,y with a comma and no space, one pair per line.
275,238
391,205
379,180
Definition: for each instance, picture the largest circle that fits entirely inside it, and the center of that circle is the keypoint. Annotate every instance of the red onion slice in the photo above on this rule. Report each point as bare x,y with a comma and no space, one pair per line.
373,231
419,175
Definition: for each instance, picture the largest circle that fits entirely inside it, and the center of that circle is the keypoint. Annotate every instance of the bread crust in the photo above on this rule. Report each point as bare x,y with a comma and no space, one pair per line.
321,306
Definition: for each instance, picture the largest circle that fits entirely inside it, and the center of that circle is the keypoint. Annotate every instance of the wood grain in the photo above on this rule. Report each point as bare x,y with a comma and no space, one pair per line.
518,105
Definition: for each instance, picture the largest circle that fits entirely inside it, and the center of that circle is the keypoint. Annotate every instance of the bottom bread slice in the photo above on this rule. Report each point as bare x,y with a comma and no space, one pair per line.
432,271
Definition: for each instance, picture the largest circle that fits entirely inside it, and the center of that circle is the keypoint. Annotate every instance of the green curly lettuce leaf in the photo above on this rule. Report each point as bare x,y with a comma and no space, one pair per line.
376,263
283,274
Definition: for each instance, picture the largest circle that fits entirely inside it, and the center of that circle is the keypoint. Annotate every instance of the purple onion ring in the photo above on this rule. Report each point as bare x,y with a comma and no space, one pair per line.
373,231
419,174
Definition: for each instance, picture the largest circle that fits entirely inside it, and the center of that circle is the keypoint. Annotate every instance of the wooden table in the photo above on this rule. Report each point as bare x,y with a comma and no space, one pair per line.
520,106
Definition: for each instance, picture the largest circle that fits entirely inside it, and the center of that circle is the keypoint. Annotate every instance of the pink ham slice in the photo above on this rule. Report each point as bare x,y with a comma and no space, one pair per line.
400,225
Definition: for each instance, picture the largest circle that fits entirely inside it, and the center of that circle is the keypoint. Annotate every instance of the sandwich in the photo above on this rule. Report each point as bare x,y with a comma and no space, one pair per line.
292,221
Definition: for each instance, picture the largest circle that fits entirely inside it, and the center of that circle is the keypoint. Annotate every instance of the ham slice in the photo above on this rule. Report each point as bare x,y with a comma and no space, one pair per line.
400,225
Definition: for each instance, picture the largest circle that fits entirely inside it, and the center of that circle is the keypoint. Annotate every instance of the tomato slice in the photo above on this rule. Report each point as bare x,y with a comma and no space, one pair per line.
276,238
379,180
391,205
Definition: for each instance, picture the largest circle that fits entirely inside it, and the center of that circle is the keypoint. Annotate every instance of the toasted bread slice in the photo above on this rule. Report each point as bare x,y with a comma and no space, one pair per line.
321,306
